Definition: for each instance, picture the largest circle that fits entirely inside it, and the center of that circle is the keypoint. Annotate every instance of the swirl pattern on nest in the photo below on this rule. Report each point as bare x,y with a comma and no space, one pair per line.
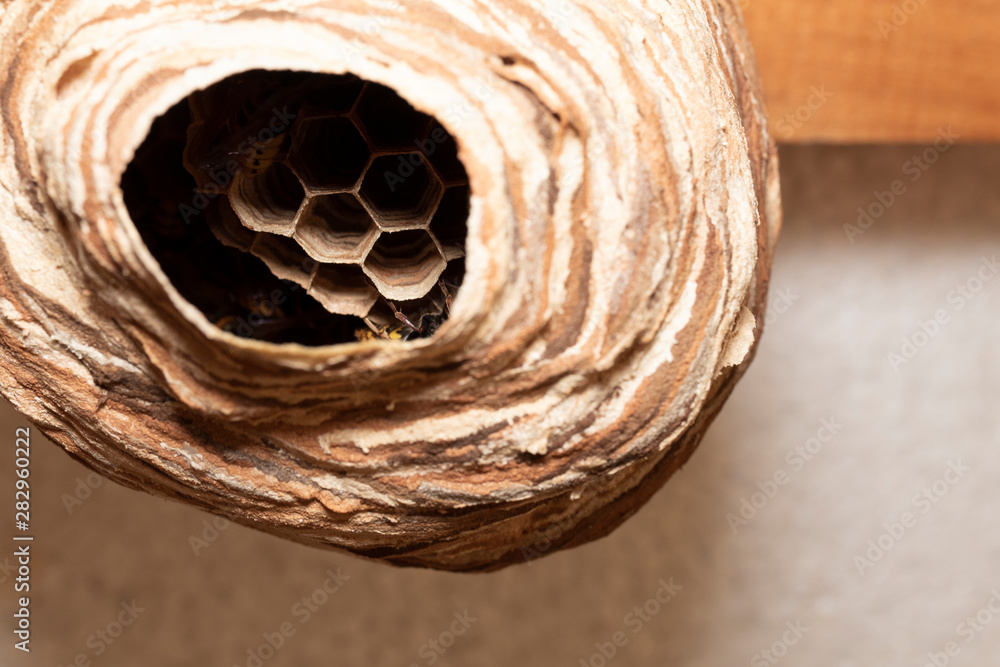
623,212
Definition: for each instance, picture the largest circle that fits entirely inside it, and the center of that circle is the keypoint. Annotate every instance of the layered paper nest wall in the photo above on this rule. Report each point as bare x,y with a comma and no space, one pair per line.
624,206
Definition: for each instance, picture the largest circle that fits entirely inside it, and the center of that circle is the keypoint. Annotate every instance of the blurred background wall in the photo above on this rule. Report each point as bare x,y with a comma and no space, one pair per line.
902,456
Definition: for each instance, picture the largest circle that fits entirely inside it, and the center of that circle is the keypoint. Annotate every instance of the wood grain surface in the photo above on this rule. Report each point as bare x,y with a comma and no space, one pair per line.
879,70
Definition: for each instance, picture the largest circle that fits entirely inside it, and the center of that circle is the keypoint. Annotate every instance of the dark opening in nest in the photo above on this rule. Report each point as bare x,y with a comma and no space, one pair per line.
303,207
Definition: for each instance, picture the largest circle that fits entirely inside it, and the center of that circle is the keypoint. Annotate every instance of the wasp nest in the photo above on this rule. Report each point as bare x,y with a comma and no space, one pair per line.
199,308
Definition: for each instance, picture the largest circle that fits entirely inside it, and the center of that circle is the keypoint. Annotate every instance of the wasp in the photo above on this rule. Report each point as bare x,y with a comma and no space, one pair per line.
384,332
250,132
245,327
432,317
253,157
265,306
262,317
430,314
263,154
383,326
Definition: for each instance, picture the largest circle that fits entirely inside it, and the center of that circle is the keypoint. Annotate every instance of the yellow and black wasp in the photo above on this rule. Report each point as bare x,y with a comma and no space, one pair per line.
390,322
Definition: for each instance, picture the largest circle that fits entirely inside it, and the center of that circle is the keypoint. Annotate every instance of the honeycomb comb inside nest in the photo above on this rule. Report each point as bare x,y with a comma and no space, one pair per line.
337,185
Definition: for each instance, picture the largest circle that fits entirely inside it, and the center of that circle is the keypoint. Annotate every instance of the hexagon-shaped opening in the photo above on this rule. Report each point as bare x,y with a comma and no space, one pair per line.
401,191
200,141
421,317
389,121
204,153
284,258
404,265
452,279
449,224
343,289
269,200
328,153
336,228
441,150
335,94
226,226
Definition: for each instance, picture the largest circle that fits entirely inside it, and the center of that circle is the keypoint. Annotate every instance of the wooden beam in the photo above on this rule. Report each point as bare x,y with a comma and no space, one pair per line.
878,70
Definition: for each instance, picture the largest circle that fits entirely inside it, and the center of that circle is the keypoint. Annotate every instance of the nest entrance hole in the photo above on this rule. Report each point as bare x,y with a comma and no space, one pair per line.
303,207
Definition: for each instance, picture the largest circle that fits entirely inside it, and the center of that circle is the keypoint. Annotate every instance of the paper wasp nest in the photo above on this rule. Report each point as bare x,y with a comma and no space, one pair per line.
233,271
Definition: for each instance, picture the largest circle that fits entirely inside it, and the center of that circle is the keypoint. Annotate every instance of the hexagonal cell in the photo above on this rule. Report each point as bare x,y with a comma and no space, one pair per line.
449,224
404,265
335,94
441,150
401,191
199,150
421,317
328,153
336,228
389,121
453,277
269,200
226,226
284,258
343,289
